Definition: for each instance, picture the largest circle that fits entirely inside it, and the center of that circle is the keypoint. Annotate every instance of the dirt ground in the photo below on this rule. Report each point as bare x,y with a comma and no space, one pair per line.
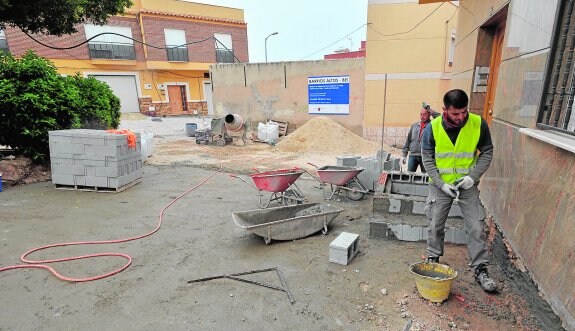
199,239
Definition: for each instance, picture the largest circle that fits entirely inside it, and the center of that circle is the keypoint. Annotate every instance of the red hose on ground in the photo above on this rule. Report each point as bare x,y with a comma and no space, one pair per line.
41,264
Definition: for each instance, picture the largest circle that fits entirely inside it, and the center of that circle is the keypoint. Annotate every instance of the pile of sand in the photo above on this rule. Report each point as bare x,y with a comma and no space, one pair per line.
322,135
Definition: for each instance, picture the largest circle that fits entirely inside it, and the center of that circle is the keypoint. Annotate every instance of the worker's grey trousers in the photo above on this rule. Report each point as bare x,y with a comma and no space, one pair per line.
437,208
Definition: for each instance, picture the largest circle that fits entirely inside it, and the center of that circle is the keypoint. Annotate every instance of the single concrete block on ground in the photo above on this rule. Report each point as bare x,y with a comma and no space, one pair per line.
344,248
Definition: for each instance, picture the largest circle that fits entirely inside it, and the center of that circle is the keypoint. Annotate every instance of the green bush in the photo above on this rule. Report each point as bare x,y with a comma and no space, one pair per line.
35,99
99,107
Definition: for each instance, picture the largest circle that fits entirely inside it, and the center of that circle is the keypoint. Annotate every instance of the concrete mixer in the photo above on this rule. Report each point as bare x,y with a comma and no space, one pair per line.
223,130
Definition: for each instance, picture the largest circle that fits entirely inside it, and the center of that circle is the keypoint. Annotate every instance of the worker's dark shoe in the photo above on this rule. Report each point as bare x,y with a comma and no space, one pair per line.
432,259
482,277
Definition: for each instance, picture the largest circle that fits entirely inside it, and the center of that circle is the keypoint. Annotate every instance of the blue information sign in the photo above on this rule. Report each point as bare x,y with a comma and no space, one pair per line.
328,95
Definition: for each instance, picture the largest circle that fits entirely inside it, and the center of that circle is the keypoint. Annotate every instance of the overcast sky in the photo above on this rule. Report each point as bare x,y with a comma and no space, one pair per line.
304,27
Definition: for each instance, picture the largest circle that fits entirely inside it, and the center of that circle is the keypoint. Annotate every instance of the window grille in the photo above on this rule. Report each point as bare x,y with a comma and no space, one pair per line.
557,109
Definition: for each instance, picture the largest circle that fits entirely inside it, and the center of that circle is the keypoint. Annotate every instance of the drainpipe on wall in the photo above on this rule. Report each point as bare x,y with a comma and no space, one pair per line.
143,35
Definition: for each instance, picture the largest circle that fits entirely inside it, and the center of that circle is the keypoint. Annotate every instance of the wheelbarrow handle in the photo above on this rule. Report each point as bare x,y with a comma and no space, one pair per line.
313,165
243,180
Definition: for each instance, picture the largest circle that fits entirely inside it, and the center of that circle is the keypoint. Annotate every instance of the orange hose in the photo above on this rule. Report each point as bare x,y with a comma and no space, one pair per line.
41,264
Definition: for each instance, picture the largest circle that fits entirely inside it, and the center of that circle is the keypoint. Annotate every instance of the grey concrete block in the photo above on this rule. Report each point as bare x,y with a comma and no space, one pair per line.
394,206
383,155
62,179
402,188
108,172
57,160
418,178
418,208
90,163
80,180
107,150
347,161
344,248
97,181
394,164
455,236
92,140
67,169
377,229
422,190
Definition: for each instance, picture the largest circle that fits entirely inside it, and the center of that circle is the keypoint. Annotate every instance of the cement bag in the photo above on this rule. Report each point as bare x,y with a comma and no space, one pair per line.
204,124
147,140
268,132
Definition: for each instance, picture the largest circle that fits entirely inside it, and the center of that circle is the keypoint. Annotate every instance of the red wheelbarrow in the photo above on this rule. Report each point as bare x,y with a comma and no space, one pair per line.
281,183
340,178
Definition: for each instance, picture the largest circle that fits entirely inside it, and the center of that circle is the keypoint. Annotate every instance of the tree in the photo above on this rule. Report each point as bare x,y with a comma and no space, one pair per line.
35,99
57,17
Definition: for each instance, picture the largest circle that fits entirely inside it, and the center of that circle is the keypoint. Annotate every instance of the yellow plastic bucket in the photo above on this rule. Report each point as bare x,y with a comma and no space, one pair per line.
433,280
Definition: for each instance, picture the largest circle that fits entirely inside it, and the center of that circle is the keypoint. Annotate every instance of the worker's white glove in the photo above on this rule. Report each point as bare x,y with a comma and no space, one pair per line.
403,160
449,190
464,183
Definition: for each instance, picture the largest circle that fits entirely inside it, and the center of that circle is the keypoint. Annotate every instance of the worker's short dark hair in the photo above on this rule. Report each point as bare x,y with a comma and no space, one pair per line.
455,98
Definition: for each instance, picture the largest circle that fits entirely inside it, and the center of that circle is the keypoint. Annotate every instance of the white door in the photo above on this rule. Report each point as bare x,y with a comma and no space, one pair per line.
208,98
125,88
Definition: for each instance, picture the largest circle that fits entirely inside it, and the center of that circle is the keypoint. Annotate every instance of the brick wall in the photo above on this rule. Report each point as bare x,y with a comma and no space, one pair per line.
19,43
203,52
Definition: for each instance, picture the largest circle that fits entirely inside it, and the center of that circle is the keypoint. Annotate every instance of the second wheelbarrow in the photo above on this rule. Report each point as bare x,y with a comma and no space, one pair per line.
281,184
341,178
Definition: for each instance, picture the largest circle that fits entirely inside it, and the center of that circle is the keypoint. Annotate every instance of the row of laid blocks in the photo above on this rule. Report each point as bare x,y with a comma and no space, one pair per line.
94,171
407,232
407,207
408,177
99,143
421,190
102,182
71,151
103,161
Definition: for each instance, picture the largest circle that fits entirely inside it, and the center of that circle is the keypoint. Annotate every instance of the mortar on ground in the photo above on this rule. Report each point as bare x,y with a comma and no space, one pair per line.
433,280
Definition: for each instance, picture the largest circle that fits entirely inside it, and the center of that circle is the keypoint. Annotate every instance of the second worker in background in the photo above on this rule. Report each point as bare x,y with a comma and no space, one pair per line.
413,141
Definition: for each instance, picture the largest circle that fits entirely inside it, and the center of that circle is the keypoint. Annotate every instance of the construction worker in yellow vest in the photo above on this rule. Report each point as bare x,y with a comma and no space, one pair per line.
456,150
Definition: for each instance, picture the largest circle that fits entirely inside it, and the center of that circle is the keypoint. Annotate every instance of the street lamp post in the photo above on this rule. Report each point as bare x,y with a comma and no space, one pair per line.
266,44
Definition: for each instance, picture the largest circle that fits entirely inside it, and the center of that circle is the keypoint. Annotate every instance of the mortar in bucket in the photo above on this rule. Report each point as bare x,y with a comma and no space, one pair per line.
433,280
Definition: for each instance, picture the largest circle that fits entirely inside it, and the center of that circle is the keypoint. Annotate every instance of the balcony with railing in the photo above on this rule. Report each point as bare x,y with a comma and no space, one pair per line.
177,54
225,56
112,51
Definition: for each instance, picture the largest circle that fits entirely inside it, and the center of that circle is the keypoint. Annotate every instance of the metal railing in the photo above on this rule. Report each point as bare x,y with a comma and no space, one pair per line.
179,54
112,51
225,56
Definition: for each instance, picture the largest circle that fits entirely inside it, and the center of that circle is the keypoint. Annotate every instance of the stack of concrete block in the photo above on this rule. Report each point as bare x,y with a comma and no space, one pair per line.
94,160
373,168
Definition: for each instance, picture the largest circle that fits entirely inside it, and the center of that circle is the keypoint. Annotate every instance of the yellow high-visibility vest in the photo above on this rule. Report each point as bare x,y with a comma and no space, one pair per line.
456,161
